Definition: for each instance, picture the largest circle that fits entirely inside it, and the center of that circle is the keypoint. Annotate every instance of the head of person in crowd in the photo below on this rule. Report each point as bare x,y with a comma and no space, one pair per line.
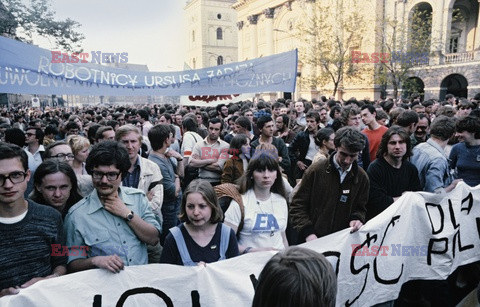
323,115
408,120
178,119
165,119
324,139
80,147
395,144
351,117
450,98
296,277
198,192
281,123
276,107
92,132
120,118
15,136
299,107
464,108
368,113
50,133
423,128
34,136
243,125
159,136
77,120
248,114
108,163
142,116
263,172
419,109
335,112
60,151
222,111
104,133
113,123
428,104
313,121
131,137
348,144
190,123
446,110
394,113
266,126
15,174
71,128
467,130
443,128
215,127
382,117
240,144
55,185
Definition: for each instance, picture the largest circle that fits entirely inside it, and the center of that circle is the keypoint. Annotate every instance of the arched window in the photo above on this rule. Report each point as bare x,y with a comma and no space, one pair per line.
220,60
219,34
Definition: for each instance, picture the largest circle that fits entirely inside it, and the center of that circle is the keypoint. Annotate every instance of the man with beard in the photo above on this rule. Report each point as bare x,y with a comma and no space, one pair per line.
210,154
303,147
391,174
422,131
114,222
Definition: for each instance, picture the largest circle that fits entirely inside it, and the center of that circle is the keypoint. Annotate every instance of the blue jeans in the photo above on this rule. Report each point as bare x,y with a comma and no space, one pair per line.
170,211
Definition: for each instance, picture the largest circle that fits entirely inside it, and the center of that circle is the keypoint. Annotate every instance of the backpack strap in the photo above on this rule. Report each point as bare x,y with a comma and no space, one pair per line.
224,240
182,247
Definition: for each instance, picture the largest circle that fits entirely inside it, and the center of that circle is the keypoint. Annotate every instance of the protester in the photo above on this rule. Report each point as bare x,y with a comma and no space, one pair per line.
324,139
374,131
56,186
265,206
237,164
202,237
296,277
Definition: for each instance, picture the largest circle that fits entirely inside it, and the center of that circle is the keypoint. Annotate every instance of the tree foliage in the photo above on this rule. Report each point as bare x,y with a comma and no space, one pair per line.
24,21
330,29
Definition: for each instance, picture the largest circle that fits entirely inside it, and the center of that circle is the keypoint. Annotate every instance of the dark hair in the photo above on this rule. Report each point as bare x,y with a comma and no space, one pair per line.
244,122
443,127
143,114
53,166
206,190
262,121
295,277
394,130
157,135
15,136
108,153
11,151
335,108
71,125
323,135
406,118
236,144
190,124
92,131
313,114
470,124
216,120
39,134
349,138
370,108
347,111
261,162
48,149
100,131
167,116
51,130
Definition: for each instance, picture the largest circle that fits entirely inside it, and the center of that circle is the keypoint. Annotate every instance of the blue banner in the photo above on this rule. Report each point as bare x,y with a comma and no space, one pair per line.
27,69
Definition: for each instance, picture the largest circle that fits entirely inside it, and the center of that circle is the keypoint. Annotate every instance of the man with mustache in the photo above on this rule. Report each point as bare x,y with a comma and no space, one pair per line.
116,223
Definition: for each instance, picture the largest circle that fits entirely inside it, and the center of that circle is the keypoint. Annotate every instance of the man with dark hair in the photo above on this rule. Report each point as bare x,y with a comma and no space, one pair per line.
71,128
303,147
283,131
222,111
408,120
244,126
374,131
422,131
267,127
143,118
430,158
104,133
29,231
210,154
300,108
333,192
391,174
115,222
34,149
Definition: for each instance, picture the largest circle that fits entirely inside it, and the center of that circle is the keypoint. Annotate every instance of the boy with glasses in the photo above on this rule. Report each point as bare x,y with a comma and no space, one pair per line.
28,230
115,222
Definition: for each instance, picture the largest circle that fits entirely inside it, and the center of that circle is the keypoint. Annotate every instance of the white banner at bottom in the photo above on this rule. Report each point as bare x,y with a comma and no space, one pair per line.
420,236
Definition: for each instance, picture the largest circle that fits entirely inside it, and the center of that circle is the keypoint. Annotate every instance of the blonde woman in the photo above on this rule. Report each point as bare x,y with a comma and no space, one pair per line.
80,146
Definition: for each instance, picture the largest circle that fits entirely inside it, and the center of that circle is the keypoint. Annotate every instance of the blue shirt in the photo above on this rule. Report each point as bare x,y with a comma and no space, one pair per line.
88,223
465,159
132,179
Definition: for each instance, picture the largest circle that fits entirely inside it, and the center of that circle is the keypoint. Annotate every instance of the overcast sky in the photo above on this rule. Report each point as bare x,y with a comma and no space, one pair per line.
151,31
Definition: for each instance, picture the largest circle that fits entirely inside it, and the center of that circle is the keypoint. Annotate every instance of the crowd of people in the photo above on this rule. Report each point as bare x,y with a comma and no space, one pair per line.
108,187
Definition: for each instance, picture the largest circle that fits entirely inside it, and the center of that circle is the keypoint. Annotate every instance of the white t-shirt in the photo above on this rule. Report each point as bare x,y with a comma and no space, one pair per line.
264,221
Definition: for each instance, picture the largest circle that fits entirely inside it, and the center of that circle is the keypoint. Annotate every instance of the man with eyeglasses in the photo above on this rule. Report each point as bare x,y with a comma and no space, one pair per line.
116,223
28,230
60,151
333,193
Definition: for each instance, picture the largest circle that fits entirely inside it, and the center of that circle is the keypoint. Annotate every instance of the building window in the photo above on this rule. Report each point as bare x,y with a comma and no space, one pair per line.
219,16
220,60
194,63
453,48
219,34
193,36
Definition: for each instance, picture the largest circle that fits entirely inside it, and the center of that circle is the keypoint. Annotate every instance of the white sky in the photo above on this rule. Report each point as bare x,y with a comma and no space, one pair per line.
151,31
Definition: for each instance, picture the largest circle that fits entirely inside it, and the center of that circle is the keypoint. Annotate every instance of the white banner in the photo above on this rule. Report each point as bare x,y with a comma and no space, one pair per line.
420,236
214,100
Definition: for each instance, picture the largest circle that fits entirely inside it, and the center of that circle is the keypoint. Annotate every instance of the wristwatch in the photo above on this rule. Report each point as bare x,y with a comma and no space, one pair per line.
129,216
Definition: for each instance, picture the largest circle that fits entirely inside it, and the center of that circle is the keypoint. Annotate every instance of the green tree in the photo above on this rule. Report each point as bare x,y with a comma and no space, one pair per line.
22,22
328,33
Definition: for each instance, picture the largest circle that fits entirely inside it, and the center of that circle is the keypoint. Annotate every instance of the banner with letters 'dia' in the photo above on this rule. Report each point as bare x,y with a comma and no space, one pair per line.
420,236
25,68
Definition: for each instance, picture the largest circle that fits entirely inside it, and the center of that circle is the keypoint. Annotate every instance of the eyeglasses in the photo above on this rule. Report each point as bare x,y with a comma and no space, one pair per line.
63,157
15,177
111,176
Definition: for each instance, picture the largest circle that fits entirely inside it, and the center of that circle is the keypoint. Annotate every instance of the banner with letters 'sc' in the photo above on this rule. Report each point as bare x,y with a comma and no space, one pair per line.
27,69
420,236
